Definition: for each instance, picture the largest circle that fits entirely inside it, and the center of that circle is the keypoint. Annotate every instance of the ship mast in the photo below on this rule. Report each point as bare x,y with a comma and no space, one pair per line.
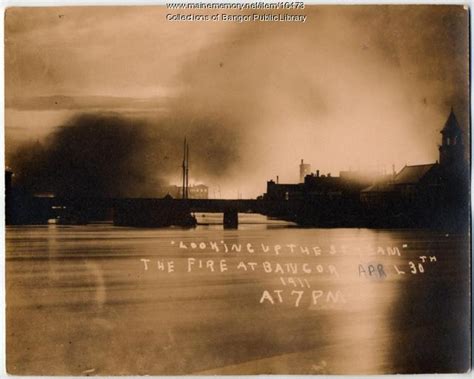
185,169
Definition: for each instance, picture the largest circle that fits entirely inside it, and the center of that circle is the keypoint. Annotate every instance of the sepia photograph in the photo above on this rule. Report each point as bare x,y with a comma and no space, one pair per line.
237,188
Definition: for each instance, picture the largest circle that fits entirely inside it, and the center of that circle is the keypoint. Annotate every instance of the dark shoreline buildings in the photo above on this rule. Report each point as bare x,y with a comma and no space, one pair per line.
434,195
426,195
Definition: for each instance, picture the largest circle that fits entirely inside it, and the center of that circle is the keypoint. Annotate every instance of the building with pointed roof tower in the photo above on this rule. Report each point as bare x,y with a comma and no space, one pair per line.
424,191
451,150
423,195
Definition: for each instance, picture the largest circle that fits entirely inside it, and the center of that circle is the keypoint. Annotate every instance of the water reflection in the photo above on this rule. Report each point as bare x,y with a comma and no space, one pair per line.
80,301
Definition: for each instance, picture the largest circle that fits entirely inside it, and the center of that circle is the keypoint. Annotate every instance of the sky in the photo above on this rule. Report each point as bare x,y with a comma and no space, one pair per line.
354,87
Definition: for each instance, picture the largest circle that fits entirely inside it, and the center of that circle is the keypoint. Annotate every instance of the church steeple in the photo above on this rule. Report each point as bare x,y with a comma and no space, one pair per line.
451,151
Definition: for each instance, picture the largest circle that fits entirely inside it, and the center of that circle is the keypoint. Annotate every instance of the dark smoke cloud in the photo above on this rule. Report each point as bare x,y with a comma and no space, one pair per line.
354,87
112,155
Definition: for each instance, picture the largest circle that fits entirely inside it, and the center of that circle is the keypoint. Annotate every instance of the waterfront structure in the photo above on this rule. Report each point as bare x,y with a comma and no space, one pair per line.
411,185
283,192
316,185
434,194
426,183
428,195
198,191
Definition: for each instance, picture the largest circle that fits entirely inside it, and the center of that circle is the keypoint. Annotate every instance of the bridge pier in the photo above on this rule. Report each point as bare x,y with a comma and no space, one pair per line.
231,219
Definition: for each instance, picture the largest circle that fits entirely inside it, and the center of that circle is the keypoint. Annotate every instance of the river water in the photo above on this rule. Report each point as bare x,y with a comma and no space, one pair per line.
268,298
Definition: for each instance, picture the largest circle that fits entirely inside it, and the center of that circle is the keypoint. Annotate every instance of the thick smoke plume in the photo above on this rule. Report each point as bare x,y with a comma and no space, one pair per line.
353,88
112,155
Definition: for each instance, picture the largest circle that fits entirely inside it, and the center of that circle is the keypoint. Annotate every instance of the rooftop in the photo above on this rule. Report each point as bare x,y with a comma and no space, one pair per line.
413,174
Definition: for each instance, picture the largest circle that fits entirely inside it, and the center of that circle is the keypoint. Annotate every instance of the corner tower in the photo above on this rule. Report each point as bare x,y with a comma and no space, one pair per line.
451,151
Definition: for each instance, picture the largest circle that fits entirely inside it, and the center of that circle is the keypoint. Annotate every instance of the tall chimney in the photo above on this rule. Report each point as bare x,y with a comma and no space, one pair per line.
305,169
